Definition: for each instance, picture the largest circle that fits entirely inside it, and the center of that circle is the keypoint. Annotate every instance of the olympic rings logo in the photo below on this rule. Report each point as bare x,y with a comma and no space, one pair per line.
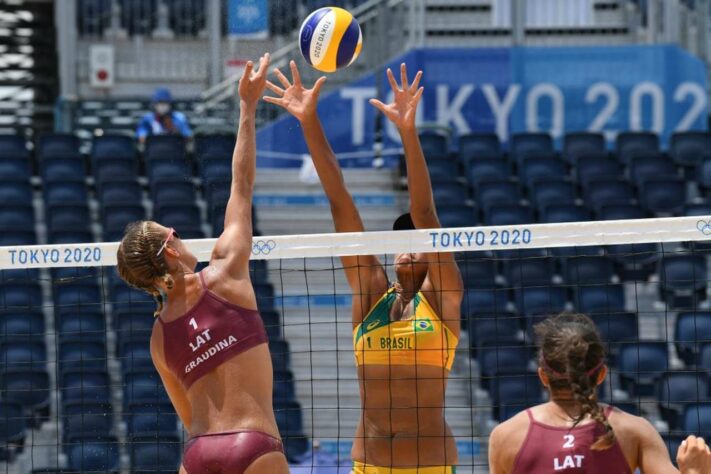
263,247
704,227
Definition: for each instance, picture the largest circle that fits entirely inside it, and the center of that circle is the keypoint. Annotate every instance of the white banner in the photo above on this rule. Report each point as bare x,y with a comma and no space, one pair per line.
569,234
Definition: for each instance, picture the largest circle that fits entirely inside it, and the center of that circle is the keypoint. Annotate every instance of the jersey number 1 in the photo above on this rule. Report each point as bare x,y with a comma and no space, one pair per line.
193,323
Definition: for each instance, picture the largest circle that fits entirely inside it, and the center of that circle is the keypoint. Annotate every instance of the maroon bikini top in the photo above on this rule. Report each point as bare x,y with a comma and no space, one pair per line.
210,333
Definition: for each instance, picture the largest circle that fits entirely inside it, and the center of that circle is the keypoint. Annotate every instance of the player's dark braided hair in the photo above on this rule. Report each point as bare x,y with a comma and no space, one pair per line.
138,262
572,356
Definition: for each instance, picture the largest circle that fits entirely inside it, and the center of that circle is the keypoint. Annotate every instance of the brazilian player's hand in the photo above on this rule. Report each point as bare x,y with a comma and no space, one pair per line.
293,96
251,86
694,456
403,109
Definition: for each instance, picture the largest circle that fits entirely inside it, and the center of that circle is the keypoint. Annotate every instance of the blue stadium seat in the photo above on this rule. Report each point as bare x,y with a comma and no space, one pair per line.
62,169
21,323
18,237
120,191
596,166
434,146
125,299
508,214
68,216
443,169
577,143
215,169
703,175
600,299
484,300
478,272
28,387
640,365
676,390
692,329
19,275
289,419
704,359
23,355
142,386
690,148
70,236
488,329
109,169
13,146
479,145
129,324
672,441
85,325
217,192
697,419
155,454
600,193
540,167
272,323
15,160
284,389
523,388
702,208
151,419
526,144
57,145
682,280
15,190
663,195
17,216
489,193
281,355
93,454
81,354
629,144
85,386
162,168
460,215
588,270
20,295
60,192
265,295
180,216
552,191
170,147
12,429
651,165
117,216
529,271
86,419
214,146
537,300
259,271
135,354
448,192
616,329
487,169
554,213
172,191
498,360
112,146
620,211
77,296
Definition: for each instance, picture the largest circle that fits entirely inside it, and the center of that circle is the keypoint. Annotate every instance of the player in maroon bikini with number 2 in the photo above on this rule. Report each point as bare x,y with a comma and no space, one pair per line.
572,433
208,343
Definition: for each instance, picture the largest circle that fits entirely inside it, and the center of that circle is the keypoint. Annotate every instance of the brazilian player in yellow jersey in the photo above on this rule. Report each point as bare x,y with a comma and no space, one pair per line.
405,334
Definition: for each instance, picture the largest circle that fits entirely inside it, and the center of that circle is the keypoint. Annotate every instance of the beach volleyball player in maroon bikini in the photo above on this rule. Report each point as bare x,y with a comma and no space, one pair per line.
208,343
572,433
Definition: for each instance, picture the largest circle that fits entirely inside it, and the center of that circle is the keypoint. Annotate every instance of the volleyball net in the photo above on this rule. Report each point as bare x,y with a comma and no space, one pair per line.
78,391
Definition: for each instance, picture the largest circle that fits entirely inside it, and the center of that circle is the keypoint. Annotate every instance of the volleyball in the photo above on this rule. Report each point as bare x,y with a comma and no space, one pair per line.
330,39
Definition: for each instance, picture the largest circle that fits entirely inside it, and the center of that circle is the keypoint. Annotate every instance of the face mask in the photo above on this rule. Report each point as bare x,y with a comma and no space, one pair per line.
162,108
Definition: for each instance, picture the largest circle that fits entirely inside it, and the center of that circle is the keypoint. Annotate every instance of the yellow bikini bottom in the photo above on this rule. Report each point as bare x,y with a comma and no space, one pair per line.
360,468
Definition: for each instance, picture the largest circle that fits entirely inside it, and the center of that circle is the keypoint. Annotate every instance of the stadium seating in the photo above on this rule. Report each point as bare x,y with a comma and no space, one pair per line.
630,144
490,192
457,215
155,454
596,166
540,167
581,143
434,146
151,419
86,420
477,272
688,149
31,389
538,300
600,299
697,419
676,390
547,192
12,429
529,272
641,364
565,213
484,300
495,361
85,386
682,280
692,329
93,454
523,389
527,144
488,329
120,191
508,214
479,169
588,270
663,196
479,145
601,192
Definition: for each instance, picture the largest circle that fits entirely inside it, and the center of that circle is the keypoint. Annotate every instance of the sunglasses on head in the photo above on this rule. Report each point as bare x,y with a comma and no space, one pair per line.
172,234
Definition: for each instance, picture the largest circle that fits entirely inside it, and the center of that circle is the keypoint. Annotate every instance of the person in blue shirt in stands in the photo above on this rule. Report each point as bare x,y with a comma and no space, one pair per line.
163,120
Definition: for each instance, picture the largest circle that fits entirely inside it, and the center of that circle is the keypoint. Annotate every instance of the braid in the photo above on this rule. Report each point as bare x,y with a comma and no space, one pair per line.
139,264
572,355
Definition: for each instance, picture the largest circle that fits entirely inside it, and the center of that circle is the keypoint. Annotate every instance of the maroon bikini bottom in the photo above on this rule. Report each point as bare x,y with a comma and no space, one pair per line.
223,453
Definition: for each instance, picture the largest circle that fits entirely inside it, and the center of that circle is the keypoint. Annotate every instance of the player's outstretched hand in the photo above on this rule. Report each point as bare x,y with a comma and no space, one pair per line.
293,96
403,109
251,86
694,456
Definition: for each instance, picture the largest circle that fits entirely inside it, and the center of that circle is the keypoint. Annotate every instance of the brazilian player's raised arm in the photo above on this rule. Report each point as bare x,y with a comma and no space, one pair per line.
234,246
302,104
443,277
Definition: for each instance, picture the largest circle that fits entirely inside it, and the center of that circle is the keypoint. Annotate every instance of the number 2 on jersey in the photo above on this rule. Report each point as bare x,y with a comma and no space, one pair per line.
569,441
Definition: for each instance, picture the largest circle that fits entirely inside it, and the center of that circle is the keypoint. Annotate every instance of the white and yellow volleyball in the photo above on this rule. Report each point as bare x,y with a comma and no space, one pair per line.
330,38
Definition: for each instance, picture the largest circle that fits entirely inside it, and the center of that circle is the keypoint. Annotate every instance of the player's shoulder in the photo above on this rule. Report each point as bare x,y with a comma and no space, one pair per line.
512,426
628,424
